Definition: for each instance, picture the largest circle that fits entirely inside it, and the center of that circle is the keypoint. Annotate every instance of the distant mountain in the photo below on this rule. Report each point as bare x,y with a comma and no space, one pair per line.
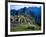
13,12
32,11
28,10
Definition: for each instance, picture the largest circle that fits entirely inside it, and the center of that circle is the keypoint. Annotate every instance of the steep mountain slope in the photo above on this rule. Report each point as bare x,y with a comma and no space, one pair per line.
35,12
25,19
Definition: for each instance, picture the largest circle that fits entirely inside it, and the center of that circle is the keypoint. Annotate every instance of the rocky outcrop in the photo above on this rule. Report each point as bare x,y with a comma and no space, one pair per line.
20,19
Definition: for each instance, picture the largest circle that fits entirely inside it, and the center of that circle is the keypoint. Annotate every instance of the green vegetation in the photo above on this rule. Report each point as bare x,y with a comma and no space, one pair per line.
25,27
23,23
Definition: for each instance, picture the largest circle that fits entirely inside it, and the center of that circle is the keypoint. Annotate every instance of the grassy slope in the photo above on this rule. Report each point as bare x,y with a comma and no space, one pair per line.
24,27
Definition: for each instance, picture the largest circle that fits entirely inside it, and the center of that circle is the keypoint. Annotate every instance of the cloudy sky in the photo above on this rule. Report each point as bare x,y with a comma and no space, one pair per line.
16,7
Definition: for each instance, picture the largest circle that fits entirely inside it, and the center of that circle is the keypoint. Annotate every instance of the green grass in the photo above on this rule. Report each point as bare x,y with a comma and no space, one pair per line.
25,27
